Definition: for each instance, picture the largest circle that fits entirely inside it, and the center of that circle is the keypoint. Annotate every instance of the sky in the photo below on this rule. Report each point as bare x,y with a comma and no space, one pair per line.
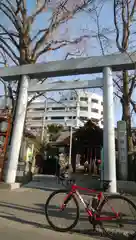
83,23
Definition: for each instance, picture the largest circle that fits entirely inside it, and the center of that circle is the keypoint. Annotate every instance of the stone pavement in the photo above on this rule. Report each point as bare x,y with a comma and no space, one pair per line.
22,211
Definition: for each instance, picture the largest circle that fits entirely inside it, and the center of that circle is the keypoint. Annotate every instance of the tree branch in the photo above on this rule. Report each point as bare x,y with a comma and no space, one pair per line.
77,54
18,2
38,33
117,95
117,28
56,21
133,105
12,18
3,55
126,32
34,97
11,95
12,33
9,48
133,10
10,36
16,16
42,40
99,32
118,85
38,10
8,54
60,43
133,84
128,10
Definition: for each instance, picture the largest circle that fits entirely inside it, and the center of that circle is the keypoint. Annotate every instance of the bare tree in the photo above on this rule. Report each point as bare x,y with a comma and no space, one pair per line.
20,40
20,44
122,36
124,21
124,13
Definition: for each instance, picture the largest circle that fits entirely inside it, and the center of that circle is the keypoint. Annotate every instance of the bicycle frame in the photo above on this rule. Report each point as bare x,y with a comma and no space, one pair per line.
90,211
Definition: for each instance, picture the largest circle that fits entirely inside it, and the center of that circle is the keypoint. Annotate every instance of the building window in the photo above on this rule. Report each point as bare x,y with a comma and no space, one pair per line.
102,103
84,108
72,108
94,100
39,109
95,120
36,118
72,117
102,113
73,98
102,122
84,99
57,118
58,108
94,110
83,118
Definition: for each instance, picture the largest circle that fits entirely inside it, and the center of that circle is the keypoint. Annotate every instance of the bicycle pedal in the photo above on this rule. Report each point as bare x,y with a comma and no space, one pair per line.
94,227
91,220
121,225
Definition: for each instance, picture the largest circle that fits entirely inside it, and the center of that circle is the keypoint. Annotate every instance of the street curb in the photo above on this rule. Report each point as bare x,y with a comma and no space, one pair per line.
7,186
126,186
99,233
92,183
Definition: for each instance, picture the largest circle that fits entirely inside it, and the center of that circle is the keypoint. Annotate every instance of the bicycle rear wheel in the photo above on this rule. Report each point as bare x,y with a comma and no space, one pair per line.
61,220
125,226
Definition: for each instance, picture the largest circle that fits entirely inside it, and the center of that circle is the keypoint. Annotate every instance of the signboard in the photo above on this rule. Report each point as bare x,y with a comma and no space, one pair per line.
122,150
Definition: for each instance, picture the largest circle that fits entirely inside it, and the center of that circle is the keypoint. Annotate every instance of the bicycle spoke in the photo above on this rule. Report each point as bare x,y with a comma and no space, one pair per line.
125,224
61,217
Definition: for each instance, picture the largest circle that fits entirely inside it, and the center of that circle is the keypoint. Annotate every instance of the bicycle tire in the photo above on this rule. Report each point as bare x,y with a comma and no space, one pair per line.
112,197
48,217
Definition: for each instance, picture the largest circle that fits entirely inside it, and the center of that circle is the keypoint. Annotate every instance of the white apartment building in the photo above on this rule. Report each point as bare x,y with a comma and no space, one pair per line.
72,109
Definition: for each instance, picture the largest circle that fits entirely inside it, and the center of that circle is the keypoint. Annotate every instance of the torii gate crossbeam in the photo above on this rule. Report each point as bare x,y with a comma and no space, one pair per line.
66,85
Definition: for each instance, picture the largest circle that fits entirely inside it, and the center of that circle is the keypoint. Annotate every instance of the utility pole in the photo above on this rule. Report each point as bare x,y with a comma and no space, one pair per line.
6,94
44,125
71,128
70,138
70,144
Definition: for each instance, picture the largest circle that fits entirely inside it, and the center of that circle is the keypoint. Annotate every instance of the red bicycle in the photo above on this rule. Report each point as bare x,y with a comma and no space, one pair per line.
97,211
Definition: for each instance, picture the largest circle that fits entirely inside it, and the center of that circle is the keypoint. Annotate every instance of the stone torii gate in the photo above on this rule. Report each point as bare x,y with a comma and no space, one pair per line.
89,65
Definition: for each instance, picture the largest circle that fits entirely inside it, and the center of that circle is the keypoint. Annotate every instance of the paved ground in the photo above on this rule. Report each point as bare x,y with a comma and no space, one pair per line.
22,211
14,231
22,217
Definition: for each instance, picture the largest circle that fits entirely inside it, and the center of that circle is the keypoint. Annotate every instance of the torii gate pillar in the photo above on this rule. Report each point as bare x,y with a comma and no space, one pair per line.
108,133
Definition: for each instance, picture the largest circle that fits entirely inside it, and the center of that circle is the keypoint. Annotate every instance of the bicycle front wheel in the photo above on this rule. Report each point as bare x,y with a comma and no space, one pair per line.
123,227
61,220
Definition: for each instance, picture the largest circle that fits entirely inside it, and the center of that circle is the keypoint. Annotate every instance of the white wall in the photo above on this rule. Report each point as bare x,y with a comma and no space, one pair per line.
73,110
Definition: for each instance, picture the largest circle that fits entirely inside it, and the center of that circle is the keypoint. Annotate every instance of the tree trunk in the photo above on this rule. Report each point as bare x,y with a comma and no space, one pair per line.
126,116
24,59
